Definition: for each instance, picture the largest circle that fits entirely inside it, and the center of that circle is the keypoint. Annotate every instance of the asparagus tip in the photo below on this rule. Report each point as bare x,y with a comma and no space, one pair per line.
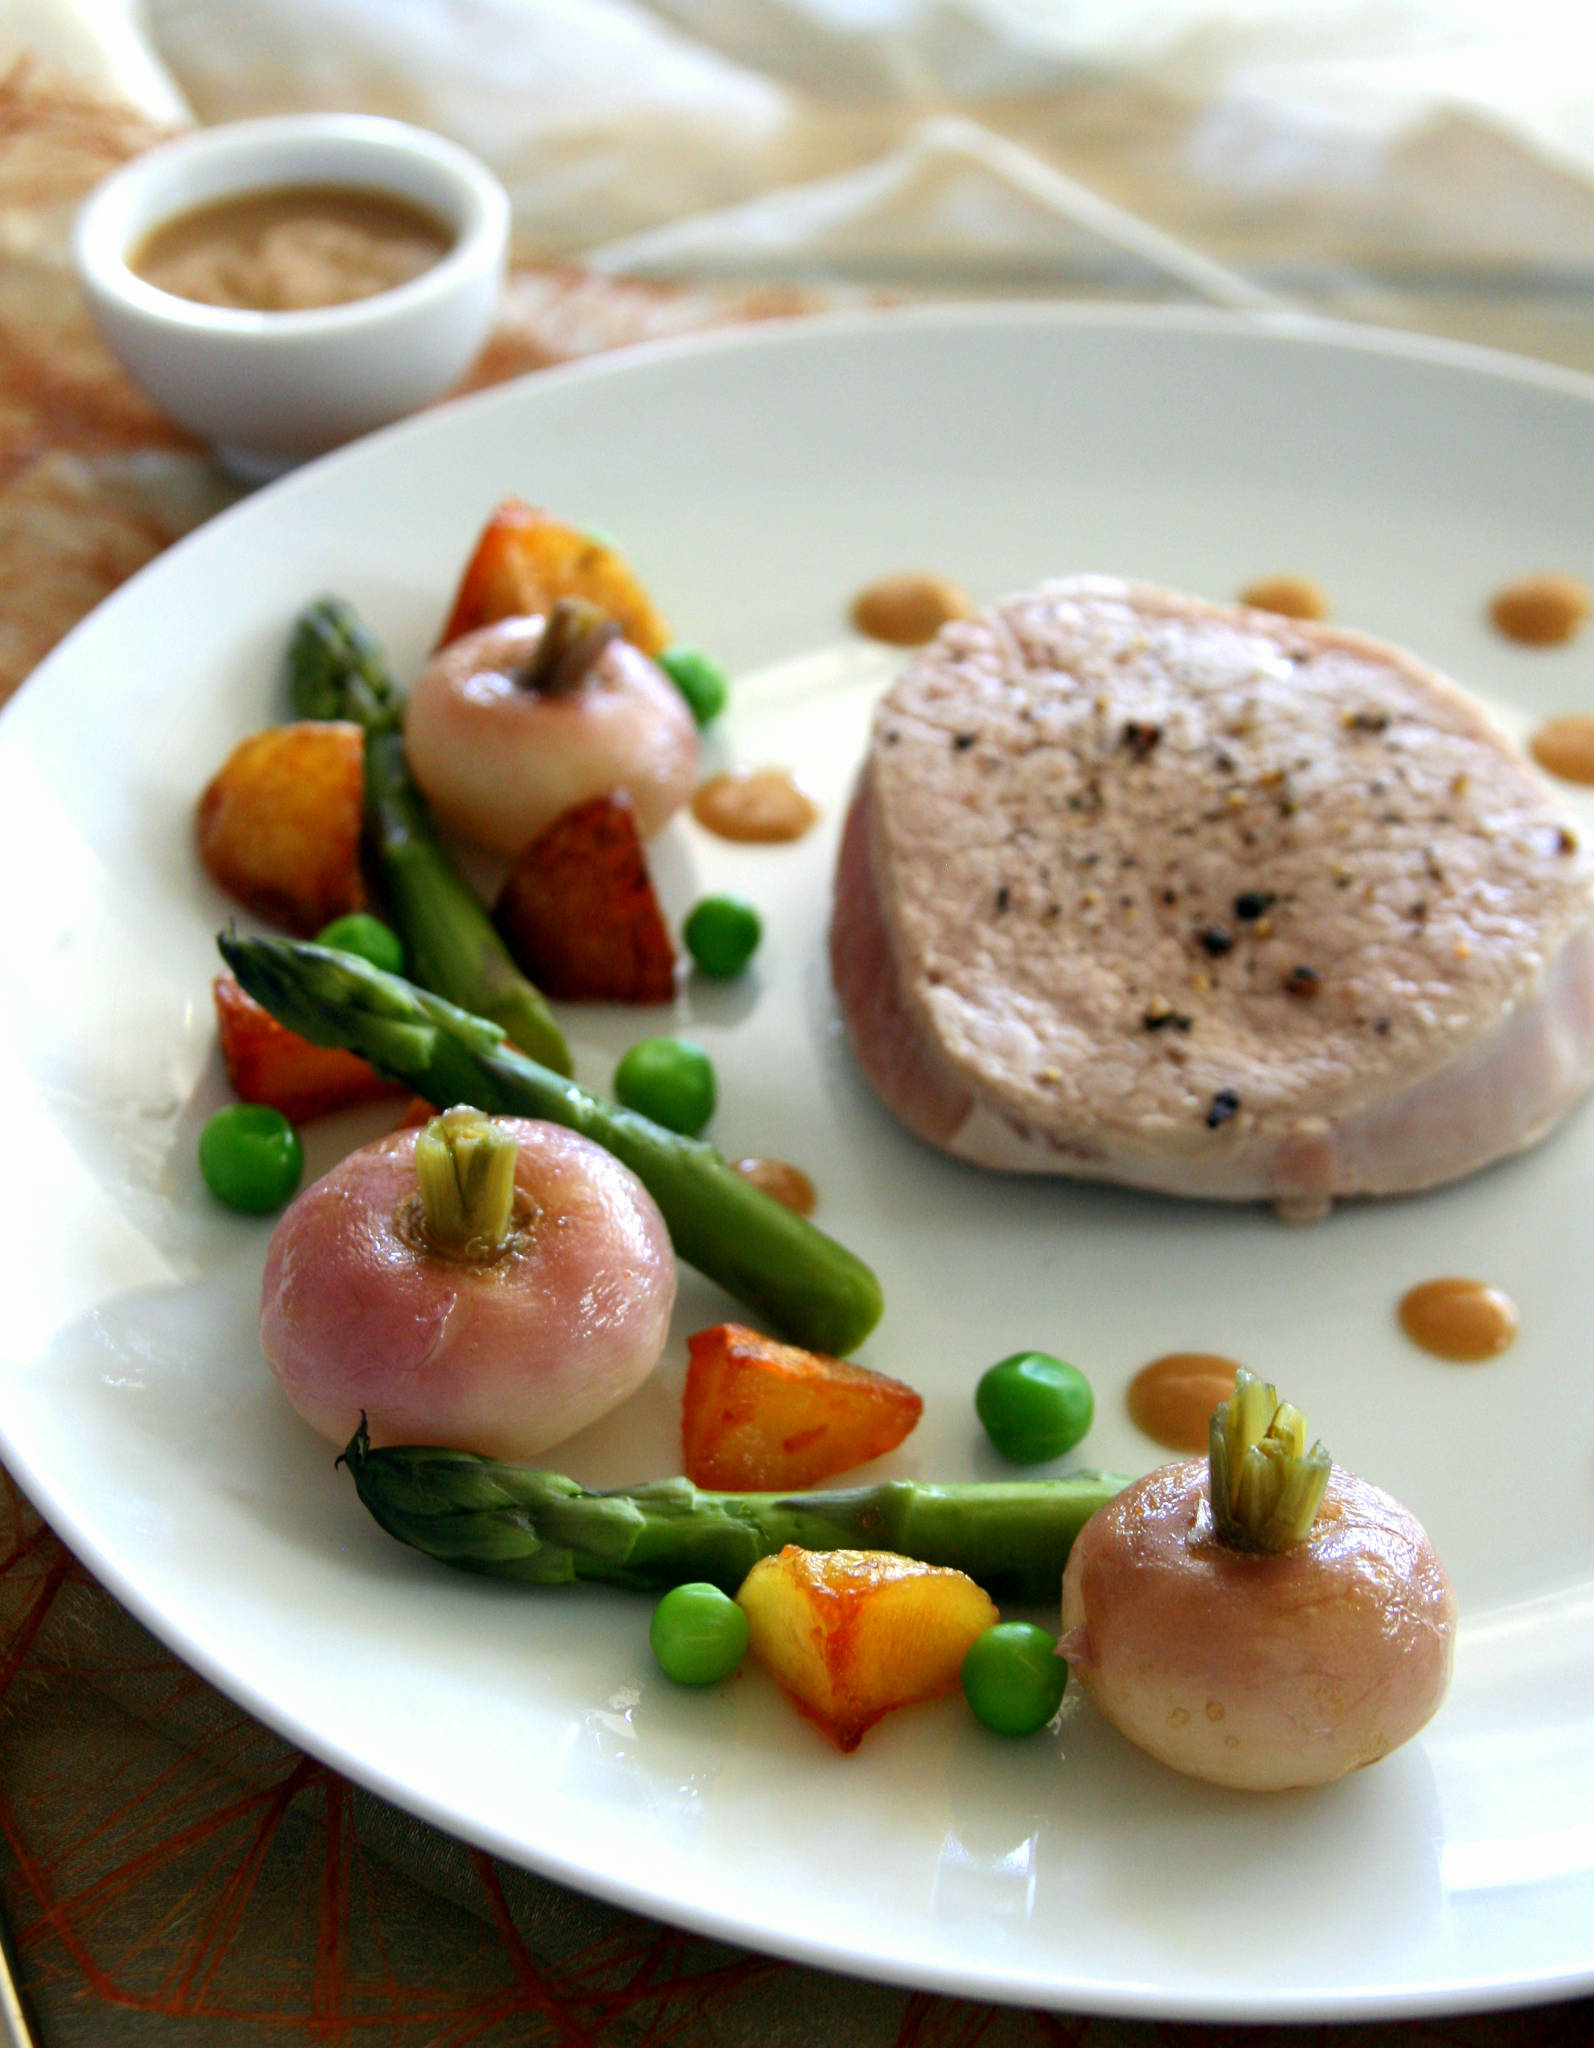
353,1452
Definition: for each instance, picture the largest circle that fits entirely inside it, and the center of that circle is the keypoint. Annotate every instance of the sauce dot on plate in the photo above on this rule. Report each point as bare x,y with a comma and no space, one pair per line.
755,805
905,611
1292,597
1464,1321
785,1183
1171,1400
1565,746
1541,611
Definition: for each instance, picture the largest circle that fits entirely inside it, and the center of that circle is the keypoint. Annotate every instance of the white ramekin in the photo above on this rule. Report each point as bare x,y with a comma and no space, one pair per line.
268,390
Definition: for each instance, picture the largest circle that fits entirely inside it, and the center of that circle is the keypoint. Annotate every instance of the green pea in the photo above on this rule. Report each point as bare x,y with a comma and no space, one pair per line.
1034,1406
1013,1678
251,1157
722,935
700,680
366,937
670,1080
698,1634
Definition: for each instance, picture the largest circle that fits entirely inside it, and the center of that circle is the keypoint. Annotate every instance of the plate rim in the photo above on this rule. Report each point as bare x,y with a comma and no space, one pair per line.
1285,326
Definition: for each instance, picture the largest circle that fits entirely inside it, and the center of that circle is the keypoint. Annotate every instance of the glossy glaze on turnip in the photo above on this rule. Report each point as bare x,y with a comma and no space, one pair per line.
504,1353
1261,1668
500,753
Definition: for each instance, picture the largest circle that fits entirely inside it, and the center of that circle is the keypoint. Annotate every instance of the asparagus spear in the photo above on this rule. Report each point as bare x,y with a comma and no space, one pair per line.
514,1522
337,671
812,1290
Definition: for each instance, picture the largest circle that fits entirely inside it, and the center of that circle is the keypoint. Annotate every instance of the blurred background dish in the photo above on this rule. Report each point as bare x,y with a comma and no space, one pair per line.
323,275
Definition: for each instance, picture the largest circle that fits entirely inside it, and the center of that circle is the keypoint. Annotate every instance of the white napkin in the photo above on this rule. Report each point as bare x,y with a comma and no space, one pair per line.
1423,161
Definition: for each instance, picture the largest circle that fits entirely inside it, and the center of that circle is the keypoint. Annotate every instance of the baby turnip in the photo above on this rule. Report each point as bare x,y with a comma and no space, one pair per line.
488,1284
515,722
1259,1618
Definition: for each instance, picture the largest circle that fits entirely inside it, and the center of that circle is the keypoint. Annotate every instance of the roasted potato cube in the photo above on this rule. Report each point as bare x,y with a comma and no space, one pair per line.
526,560
759,1416
279,823
266,1062
850,1634
578,912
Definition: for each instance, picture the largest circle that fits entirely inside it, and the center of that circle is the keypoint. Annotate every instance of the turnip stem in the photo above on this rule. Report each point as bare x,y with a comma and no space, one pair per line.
1266,1486
575,635
465,1163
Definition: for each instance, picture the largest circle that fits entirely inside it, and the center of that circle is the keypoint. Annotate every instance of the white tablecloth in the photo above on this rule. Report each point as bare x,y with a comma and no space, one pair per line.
1427,163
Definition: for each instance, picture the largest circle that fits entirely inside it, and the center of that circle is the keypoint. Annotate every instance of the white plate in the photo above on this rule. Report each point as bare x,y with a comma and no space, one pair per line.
758,480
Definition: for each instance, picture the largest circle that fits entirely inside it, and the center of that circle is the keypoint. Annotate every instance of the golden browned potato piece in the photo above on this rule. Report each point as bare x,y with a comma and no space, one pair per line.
279,823
578,910
758,1416
526,560
850,1634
